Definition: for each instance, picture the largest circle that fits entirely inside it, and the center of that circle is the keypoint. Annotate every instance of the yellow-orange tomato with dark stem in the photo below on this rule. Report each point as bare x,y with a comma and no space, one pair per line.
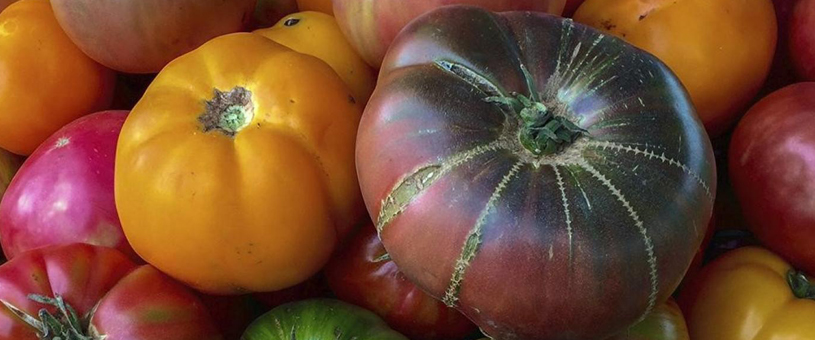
721,50
45,80
234,174
749,294
318,34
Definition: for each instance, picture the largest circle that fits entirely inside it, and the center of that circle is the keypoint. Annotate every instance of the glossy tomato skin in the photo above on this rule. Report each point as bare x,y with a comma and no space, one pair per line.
141,36
318,34
362,274
47,81
64,191
131,301
261,208
666,322
722,71
802,39
773,175
320,319
372,25
745,295
533,247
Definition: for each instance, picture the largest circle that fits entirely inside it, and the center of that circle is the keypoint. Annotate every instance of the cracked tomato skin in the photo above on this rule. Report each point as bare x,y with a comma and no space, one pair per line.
773,174
372,25
358,274
720,50
141,36
47,82
577,244
259,208
745,295
130,301
318,34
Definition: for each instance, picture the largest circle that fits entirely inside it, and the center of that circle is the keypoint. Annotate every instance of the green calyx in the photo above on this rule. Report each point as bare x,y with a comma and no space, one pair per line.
228,112
65,324
232,119
801,287
542,132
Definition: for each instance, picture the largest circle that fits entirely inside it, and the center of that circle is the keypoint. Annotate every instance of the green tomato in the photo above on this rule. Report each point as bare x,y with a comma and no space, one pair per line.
319,319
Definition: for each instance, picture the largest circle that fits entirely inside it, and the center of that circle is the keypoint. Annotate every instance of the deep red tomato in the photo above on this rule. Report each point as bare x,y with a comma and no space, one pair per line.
772,168
362,274
113,298
63,193
802,39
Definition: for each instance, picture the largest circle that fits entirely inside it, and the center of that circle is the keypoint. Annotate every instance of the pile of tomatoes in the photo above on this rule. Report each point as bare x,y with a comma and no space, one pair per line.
392,169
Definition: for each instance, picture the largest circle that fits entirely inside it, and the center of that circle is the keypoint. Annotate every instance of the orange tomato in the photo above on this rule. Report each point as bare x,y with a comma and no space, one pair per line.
45,80
235,171
324,6
721,50
747,294
318,34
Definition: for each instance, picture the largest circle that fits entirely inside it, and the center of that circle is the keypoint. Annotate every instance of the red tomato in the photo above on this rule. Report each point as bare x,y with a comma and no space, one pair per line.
63,193
114,297
772,168
362,274
802,39
142,36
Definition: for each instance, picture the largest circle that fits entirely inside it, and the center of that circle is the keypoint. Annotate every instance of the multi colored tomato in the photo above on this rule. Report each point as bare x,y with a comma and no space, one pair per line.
95,292
548,181
141,36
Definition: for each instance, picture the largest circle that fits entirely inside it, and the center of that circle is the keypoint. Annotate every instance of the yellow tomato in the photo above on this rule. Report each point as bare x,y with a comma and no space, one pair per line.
319,35
324,6
721,50
746,295
235,171
45,80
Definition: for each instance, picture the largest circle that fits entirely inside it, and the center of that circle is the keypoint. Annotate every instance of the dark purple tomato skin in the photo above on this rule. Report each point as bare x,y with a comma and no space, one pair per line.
580,244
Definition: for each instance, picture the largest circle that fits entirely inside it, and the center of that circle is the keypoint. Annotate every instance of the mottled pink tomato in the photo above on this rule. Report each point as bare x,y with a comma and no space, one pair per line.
113,298
371,25
63,193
